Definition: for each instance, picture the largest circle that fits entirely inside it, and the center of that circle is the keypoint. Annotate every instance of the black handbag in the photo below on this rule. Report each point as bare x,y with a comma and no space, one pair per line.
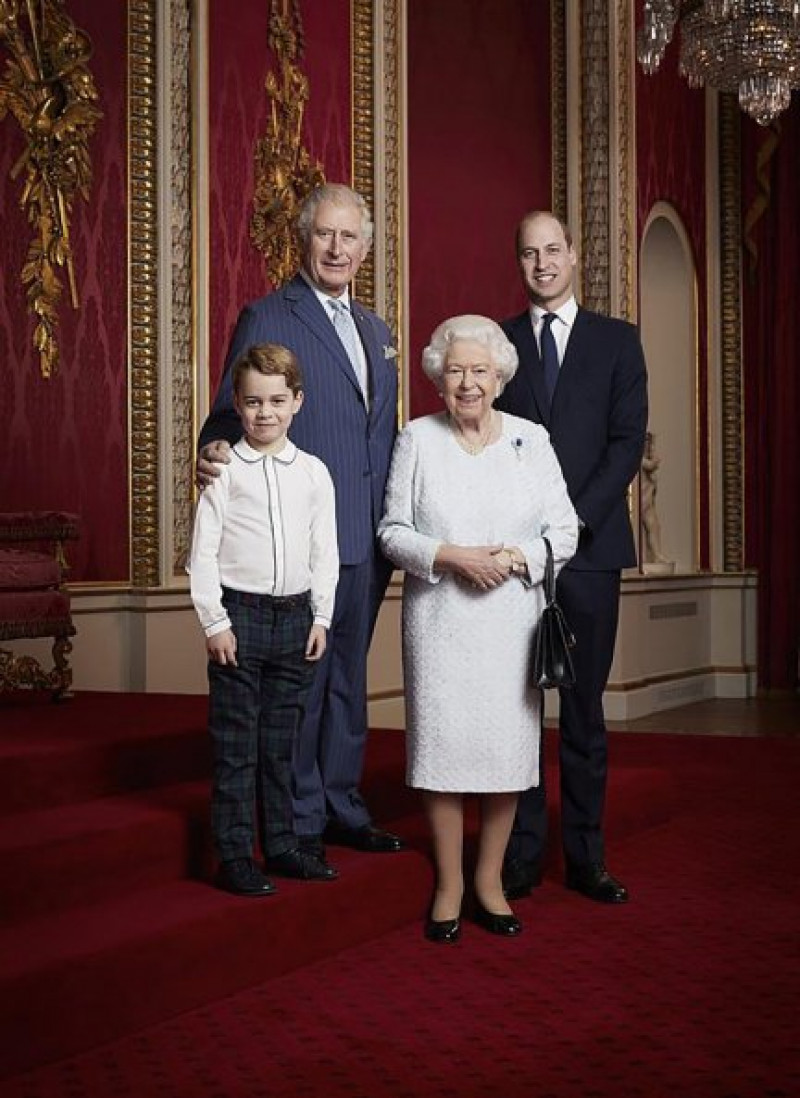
552,661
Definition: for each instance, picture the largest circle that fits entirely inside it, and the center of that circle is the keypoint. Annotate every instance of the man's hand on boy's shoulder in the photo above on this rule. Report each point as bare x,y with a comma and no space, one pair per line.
221,647
315,645
209,458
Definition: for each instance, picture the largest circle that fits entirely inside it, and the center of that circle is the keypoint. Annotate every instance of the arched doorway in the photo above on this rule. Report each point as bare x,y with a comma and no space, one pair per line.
668,320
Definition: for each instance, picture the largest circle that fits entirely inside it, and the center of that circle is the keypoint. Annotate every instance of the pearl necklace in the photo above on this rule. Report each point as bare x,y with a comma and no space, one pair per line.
472,448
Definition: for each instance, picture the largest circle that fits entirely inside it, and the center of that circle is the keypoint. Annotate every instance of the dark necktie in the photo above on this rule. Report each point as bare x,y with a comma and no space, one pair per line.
549,353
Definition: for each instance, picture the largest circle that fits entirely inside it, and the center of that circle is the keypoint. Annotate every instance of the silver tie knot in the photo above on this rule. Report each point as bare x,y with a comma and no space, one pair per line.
345,328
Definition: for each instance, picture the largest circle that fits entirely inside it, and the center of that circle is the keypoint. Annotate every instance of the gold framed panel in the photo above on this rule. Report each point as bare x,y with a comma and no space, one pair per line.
595,155
624,235
558,107
143,262
733,509
363,126
393,167
377,146
143,292
182,204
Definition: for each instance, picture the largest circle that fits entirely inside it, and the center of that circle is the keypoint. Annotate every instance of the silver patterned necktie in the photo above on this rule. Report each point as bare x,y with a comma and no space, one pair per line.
345,328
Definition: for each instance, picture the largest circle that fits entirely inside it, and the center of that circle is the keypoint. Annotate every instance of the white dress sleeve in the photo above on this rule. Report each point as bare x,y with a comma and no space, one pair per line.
559,520
400,540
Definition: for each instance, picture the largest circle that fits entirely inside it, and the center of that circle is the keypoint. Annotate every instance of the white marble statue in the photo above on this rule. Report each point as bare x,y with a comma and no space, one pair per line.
653,560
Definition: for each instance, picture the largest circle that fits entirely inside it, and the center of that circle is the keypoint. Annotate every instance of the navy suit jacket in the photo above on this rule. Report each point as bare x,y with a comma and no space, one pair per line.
333,423
597,424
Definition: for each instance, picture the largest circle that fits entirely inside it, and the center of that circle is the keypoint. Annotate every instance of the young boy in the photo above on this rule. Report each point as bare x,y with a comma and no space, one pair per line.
264,566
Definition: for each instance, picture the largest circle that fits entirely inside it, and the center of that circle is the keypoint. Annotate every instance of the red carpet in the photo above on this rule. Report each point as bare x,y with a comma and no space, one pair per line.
690,990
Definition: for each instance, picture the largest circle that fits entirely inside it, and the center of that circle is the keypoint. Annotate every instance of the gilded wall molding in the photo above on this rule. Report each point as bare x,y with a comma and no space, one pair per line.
377,148
143,292
182,446
624,234
595,155
558,107
363,127
733,517
392,166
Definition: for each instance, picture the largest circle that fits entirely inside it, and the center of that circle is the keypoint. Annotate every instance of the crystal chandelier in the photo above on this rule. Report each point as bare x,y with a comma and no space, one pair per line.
748,46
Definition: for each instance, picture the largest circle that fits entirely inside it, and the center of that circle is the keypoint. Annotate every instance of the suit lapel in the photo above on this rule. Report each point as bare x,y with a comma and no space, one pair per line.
579,339
576,358
532,373
375,353
308,310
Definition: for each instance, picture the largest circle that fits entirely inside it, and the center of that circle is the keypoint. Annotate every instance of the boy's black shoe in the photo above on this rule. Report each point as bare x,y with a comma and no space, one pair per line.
243,877
302,865
313,843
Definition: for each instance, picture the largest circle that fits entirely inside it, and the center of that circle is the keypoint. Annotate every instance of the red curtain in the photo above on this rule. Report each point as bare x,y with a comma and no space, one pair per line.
770,160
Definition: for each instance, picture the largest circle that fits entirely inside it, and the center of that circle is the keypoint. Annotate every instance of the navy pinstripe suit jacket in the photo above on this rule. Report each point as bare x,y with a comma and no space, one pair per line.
355,444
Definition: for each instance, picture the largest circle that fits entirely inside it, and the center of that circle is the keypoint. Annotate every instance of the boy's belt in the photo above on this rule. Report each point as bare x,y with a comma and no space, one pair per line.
267,602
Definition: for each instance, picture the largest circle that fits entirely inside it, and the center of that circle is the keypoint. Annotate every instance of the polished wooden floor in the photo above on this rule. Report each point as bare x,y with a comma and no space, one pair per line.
767,716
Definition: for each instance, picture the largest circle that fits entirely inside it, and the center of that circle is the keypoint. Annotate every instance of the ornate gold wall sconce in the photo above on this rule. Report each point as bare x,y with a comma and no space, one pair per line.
48,88
285,172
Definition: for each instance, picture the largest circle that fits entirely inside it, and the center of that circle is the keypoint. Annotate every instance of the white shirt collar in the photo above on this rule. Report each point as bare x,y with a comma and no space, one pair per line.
324,298
566,313
246,452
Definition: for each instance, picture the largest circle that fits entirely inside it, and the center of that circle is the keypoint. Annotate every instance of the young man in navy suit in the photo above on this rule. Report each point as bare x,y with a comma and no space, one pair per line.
583,377
349,420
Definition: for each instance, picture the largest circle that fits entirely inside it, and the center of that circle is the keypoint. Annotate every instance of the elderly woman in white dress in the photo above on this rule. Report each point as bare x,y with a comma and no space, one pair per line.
471,493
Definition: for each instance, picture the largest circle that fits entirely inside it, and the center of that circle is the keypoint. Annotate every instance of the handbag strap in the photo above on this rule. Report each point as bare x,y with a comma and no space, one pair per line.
549,581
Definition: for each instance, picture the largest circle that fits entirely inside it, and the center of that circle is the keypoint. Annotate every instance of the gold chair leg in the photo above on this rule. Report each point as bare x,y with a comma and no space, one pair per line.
62,672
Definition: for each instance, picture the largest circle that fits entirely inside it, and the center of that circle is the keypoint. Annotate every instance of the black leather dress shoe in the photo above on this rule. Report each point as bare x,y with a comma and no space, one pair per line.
507,925
243,877
313,843
368,839
443,930
519,877
595,882
302,865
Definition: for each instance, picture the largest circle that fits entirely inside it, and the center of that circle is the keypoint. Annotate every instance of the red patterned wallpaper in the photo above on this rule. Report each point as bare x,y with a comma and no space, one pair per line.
65,440
670,141
239,59
478,158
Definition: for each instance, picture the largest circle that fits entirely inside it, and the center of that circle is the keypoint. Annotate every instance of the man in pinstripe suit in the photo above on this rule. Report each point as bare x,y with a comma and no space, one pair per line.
349,420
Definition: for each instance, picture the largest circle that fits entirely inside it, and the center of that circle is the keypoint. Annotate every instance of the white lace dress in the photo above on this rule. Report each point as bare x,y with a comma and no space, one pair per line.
472,720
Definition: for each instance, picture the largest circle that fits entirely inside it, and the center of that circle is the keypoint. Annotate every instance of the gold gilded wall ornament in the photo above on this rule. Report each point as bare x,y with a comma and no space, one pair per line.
285,173
48,88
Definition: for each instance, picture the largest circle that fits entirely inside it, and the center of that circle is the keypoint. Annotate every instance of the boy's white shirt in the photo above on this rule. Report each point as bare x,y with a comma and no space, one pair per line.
266,525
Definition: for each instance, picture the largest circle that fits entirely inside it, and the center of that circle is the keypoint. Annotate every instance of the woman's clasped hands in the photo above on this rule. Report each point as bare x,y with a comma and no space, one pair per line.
481,566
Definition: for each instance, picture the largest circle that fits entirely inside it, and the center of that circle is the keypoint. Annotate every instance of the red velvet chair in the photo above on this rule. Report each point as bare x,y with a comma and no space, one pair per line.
33,600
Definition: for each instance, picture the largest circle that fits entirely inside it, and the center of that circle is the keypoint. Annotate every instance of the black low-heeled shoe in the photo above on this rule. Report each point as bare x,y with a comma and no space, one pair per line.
443,930
507,925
